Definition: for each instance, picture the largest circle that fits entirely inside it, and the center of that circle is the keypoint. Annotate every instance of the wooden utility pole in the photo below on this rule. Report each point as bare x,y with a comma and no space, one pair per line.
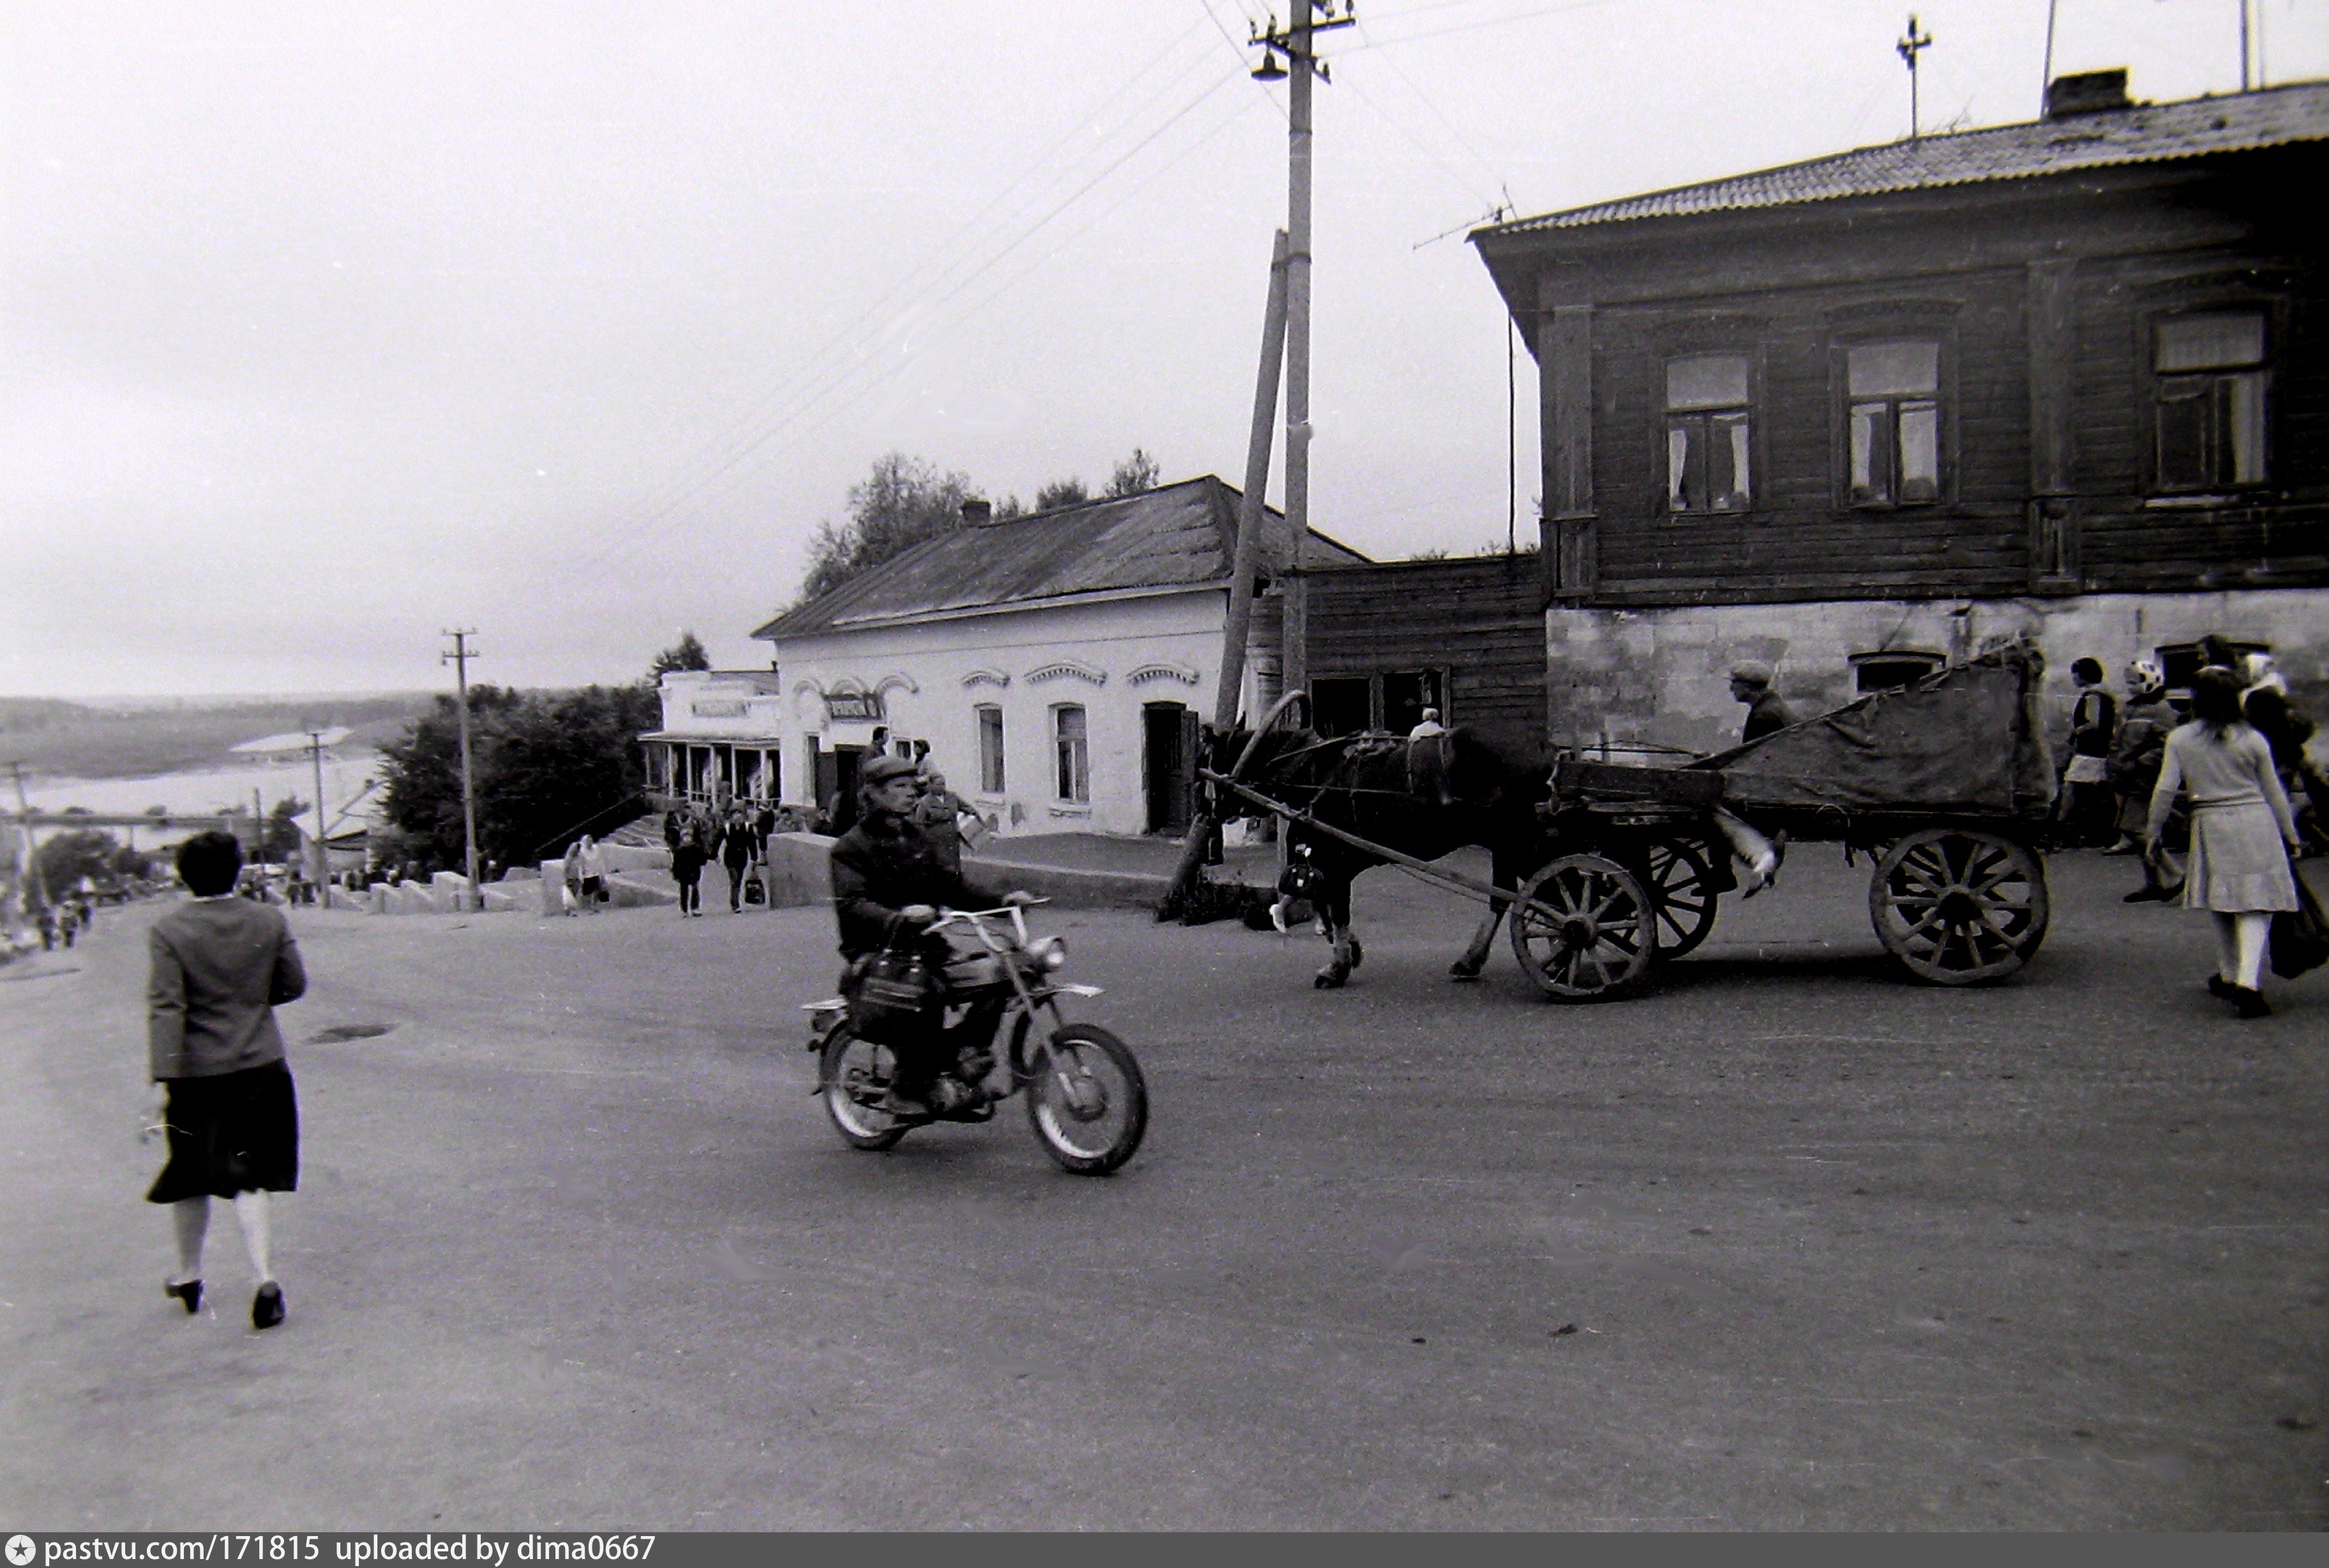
28,858
318,863
459,659
1253,514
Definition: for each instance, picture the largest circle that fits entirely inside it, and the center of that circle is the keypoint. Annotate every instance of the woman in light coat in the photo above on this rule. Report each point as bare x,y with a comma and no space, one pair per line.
2242,834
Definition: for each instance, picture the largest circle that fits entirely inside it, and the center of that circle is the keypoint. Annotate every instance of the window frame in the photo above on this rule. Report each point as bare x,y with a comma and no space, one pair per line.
1942,399
1071,770
1705,418
994,771
2157,382
1928,661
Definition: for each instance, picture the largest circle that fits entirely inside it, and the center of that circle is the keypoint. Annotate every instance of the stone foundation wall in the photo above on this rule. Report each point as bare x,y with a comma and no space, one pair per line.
1661,676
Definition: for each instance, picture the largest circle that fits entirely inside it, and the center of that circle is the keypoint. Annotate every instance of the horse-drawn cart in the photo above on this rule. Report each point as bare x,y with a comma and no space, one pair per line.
1944,784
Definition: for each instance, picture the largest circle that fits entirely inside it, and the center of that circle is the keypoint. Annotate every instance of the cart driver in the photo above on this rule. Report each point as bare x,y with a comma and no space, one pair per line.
885,870
1750,683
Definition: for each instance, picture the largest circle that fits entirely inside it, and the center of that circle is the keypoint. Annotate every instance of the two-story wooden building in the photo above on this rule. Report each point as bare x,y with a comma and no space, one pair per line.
1860,414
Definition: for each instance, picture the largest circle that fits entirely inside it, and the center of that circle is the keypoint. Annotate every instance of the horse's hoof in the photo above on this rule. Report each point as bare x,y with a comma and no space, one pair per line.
1328,980
1462,971
1358,953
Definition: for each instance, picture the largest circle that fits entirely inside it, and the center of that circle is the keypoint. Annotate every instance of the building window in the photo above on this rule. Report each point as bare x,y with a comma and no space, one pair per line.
1405,696
1348,705
1707,433
1342,704
1074,773
1891,669
1894,422
2211,393
990,750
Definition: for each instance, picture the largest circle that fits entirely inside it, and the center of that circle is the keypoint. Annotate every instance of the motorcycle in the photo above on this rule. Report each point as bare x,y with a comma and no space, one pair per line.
1086,1100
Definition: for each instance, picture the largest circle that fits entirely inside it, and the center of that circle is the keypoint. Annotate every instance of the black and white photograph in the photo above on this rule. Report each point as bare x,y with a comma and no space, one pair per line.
1199,765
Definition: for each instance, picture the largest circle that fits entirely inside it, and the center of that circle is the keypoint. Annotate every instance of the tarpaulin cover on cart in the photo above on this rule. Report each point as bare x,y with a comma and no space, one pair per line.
1962,742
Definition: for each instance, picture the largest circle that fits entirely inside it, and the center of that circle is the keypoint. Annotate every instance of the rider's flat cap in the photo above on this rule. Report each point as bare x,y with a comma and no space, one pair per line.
1754,672
882,770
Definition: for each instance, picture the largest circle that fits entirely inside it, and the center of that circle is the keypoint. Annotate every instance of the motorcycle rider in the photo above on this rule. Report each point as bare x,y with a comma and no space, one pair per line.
885,873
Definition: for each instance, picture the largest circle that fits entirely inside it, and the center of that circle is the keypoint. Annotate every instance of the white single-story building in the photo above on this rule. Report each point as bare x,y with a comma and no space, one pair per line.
720,740
1056,665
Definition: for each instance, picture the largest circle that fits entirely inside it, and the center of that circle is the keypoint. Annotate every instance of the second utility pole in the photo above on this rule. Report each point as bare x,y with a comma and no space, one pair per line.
459,658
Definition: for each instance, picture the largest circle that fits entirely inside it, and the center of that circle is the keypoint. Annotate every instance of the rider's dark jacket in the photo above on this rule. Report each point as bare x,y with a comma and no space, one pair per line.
883,864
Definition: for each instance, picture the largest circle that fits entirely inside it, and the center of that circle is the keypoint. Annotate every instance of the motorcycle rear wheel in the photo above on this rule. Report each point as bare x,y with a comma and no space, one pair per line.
854,1074
1086,1100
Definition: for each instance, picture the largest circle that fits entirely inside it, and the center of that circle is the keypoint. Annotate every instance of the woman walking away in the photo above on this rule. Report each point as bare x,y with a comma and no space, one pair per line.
220,966
2242,834
687,868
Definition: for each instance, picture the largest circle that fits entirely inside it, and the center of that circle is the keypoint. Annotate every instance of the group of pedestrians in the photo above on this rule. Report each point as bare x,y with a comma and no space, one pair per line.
2228,787
738,840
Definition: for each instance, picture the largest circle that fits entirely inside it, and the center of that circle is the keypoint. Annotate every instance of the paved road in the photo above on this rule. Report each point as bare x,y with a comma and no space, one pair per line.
575,1247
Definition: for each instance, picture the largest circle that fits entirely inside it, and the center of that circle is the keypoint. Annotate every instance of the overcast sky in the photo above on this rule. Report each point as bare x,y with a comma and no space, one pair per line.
330,326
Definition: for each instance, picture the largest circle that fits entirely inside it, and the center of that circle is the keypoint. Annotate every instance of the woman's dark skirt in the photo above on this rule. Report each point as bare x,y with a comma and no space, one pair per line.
237,1132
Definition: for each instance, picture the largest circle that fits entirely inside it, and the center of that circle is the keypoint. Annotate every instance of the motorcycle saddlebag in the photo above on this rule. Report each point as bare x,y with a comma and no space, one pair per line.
898,1000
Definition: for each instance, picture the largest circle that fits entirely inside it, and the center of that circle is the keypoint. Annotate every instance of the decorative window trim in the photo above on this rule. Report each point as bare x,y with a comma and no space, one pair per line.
1163,670
1065,668
986,677
897,678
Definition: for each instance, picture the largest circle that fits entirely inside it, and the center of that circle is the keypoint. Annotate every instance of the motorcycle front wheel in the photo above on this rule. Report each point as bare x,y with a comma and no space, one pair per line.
854,1075
1086,1100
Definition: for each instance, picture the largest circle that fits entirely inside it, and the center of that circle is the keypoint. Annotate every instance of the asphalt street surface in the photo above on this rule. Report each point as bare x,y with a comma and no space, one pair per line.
1788,1242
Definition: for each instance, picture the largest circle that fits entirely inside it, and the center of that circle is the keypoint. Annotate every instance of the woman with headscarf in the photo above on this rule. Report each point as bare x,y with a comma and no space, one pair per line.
2242,834
2265,705
2136,752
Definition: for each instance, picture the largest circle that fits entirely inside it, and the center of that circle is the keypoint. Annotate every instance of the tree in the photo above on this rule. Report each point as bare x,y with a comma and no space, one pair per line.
1067,492
1135,474
686,653
902,502
547,769
65,858
278,841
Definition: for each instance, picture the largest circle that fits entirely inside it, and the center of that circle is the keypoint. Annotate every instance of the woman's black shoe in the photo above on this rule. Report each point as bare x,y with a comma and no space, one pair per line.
2250,1003
266,1307
190,1292
2222,987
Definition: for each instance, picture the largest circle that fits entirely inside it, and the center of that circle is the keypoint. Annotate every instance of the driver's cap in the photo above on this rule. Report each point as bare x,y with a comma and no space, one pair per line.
882,770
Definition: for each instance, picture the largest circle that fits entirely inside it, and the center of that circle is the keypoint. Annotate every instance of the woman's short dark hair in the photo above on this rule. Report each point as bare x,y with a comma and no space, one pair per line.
2089,670
208,863
2216,699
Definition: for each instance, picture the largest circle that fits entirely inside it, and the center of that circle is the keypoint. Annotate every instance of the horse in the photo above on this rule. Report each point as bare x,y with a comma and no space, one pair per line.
1424,796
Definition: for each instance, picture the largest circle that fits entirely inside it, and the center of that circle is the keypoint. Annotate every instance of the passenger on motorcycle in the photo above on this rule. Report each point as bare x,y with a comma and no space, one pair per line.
887,874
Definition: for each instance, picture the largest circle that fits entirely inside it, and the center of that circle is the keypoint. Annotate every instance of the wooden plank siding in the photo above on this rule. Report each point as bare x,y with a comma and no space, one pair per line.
2010,278
1480,619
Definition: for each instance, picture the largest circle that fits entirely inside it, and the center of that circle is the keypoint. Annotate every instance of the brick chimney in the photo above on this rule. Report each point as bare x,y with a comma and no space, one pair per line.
2088,92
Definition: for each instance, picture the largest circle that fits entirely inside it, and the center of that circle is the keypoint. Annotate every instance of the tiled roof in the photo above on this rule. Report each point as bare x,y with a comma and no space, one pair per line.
1176,535
2146,133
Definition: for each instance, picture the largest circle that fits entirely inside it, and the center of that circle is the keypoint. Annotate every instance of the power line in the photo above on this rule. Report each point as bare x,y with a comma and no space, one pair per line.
751,428
758,431
766,430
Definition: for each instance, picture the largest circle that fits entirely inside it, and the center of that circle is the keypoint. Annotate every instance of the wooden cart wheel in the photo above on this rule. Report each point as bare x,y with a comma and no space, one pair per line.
1595,935
1680,886
1958,906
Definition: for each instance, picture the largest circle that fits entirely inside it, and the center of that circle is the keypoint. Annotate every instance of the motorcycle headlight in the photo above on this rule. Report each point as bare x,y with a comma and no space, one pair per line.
1050,953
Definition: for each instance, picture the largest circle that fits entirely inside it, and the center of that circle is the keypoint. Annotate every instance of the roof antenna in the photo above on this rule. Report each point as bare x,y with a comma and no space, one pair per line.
1911,45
